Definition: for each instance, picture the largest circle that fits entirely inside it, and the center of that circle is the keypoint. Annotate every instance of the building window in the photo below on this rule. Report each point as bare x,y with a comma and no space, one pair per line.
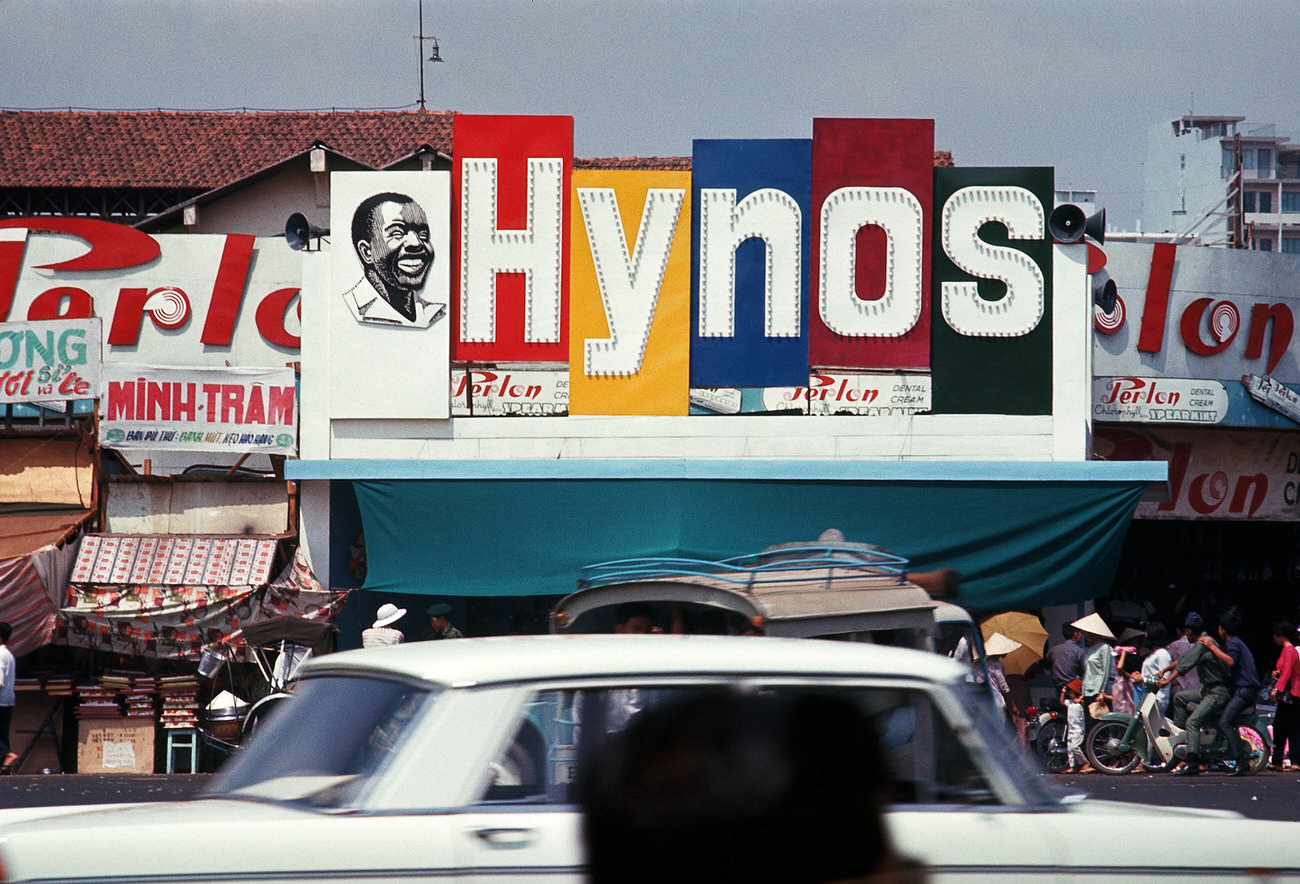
1291,244
1290,201
1265,162
1248,201
1266,201
1248,159
1264,245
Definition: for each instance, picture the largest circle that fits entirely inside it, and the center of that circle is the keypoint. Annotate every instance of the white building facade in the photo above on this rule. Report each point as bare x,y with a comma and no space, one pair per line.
1219,180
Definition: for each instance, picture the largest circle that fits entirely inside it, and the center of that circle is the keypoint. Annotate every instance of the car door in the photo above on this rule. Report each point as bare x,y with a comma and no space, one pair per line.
953,804
524,826
957,803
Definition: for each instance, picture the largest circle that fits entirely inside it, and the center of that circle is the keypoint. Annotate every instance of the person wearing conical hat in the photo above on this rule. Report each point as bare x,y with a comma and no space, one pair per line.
1099,660
997,647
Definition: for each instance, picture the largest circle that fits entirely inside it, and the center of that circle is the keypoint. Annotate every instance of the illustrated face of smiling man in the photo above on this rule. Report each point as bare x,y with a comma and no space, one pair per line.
398,254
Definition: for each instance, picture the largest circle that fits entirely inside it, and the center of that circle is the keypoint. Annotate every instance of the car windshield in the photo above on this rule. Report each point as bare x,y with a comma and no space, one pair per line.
320,747
1031,780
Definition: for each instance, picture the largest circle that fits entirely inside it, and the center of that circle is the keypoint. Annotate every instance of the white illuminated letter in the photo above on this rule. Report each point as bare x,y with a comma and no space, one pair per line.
534,251
898,213
774,217
1017,312
629,284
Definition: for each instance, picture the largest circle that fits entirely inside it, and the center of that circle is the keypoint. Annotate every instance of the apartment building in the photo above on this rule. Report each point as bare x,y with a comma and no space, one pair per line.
1219,180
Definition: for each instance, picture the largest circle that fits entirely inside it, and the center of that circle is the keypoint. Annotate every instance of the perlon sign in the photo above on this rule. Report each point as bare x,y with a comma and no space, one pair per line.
1199,336
172,299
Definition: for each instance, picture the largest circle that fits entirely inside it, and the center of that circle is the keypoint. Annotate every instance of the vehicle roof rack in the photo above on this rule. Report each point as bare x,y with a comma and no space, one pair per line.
789,562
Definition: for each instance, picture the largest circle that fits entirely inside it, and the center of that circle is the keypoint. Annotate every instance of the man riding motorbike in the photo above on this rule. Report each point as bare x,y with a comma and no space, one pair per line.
1244,684
1215,675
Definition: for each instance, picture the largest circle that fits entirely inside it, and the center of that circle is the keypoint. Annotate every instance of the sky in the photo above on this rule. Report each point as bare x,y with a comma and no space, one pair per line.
1073,85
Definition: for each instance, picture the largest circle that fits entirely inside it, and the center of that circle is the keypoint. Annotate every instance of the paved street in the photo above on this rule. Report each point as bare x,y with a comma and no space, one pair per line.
55,789
1268,795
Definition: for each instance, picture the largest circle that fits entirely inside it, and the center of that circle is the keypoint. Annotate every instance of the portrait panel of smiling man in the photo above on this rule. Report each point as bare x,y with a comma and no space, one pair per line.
390,232
390,251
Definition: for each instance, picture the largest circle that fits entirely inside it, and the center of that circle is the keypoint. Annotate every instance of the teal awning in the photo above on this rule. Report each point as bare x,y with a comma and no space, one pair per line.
1023,535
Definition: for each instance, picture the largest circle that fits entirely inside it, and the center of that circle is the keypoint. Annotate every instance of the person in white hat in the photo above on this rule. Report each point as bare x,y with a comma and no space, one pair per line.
1099,663
997,647
382,632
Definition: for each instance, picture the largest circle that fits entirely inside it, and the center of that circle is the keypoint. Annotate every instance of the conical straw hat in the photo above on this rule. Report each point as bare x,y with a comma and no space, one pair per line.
1093,625
998,644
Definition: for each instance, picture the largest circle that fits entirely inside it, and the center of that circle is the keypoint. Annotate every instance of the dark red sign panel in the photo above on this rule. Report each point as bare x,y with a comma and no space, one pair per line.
870,299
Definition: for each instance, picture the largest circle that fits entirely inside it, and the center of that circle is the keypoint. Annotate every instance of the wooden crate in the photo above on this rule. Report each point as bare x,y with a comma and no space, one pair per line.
115,745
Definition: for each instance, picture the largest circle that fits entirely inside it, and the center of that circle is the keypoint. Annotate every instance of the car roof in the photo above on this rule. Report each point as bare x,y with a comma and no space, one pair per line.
474,661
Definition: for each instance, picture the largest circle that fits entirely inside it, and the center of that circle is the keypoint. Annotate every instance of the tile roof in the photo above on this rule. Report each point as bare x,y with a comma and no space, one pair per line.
196,149
207,149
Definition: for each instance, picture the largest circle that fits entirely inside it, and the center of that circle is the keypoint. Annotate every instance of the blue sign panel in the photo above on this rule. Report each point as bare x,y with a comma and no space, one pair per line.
749,323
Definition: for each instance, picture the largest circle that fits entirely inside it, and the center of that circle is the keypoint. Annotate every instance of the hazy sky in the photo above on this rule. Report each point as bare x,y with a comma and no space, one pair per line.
1067,84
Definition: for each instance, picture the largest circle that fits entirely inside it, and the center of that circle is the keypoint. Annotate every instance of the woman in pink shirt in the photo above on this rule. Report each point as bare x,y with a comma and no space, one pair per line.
1286,694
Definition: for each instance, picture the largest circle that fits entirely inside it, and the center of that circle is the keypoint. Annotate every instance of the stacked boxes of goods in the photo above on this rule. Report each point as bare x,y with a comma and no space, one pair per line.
180,701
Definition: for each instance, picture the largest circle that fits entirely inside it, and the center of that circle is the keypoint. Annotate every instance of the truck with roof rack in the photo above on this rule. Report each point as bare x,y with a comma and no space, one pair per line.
829,589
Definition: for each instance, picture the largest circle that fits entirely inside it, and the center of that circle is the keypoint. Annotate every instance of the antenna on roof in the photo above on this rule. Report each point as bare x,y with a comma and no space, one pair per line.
435,53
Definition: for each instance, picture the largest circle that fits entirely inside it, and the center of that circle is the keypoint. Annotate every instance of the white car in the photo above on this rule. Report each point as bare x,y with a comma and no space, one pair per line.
454,761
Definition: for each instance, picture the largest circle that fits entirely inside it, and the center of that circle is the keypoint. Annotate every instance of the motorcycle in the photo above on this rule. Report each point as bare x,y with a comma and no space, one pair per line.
1118,741
1045,734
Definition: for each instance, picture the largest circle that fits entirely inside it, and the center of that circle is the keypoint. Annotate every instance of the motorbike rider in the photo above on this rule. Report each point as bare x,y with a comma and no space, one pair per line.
1212,696
1243,683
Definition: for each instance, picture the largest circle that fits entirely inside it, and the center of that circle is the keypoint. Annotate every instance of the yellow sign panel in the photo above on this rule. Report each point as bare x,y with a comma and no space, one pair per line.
629,308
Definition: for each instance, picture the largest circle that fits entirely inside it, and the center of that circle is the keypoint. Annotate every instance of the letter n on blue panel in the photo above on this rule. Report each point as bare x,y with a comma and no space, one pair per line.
749,271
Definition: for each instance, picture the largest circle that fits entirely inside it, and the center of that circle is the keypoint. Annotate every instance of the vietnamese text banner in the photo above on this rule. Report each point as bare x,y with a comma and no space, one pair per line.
49,361
233,409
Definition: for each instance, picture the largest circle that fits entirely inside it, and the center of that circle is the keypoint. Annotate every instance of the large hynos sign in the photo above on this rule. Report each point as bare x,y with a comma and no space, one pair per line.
774,274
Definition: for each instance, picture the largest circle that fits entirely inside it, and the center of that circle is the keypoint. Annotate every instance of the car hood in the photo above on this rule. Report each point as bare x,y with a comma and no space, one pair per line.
164,839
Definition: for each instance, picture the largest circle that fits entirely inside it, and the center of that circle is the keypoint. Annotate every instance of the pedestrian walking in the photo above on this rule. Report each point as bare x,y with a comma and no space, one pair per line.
1285,694
8,673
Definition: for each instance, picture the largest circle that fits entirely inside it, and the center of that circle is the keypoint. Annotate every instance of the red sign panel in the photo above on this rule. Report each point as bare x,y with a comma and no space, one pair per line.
870,301
510,274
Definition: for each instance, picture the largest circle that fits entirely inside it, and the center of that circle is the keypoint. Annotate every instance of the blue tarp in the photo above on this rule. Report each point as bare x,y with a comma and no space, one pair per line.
1018,544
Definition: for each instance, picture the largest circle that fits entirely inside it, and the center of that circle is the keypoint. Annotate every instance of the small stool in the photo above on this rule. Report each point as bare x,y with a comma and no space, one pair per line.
179,741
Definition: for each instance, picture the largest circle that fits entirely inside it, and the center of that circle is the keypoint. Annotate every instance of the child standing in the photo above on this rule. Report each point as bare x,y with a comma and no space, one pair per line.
1072,699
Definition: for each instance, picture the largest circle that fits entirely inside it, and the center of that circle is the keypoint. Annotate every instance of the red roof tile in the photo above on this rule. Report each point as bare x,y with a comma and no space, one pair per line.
207,149
196,149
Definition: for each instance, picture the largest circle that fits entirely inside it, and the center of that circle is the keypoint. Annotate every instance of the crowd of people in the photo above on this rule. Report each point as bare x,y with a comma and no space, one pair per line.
1202,679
